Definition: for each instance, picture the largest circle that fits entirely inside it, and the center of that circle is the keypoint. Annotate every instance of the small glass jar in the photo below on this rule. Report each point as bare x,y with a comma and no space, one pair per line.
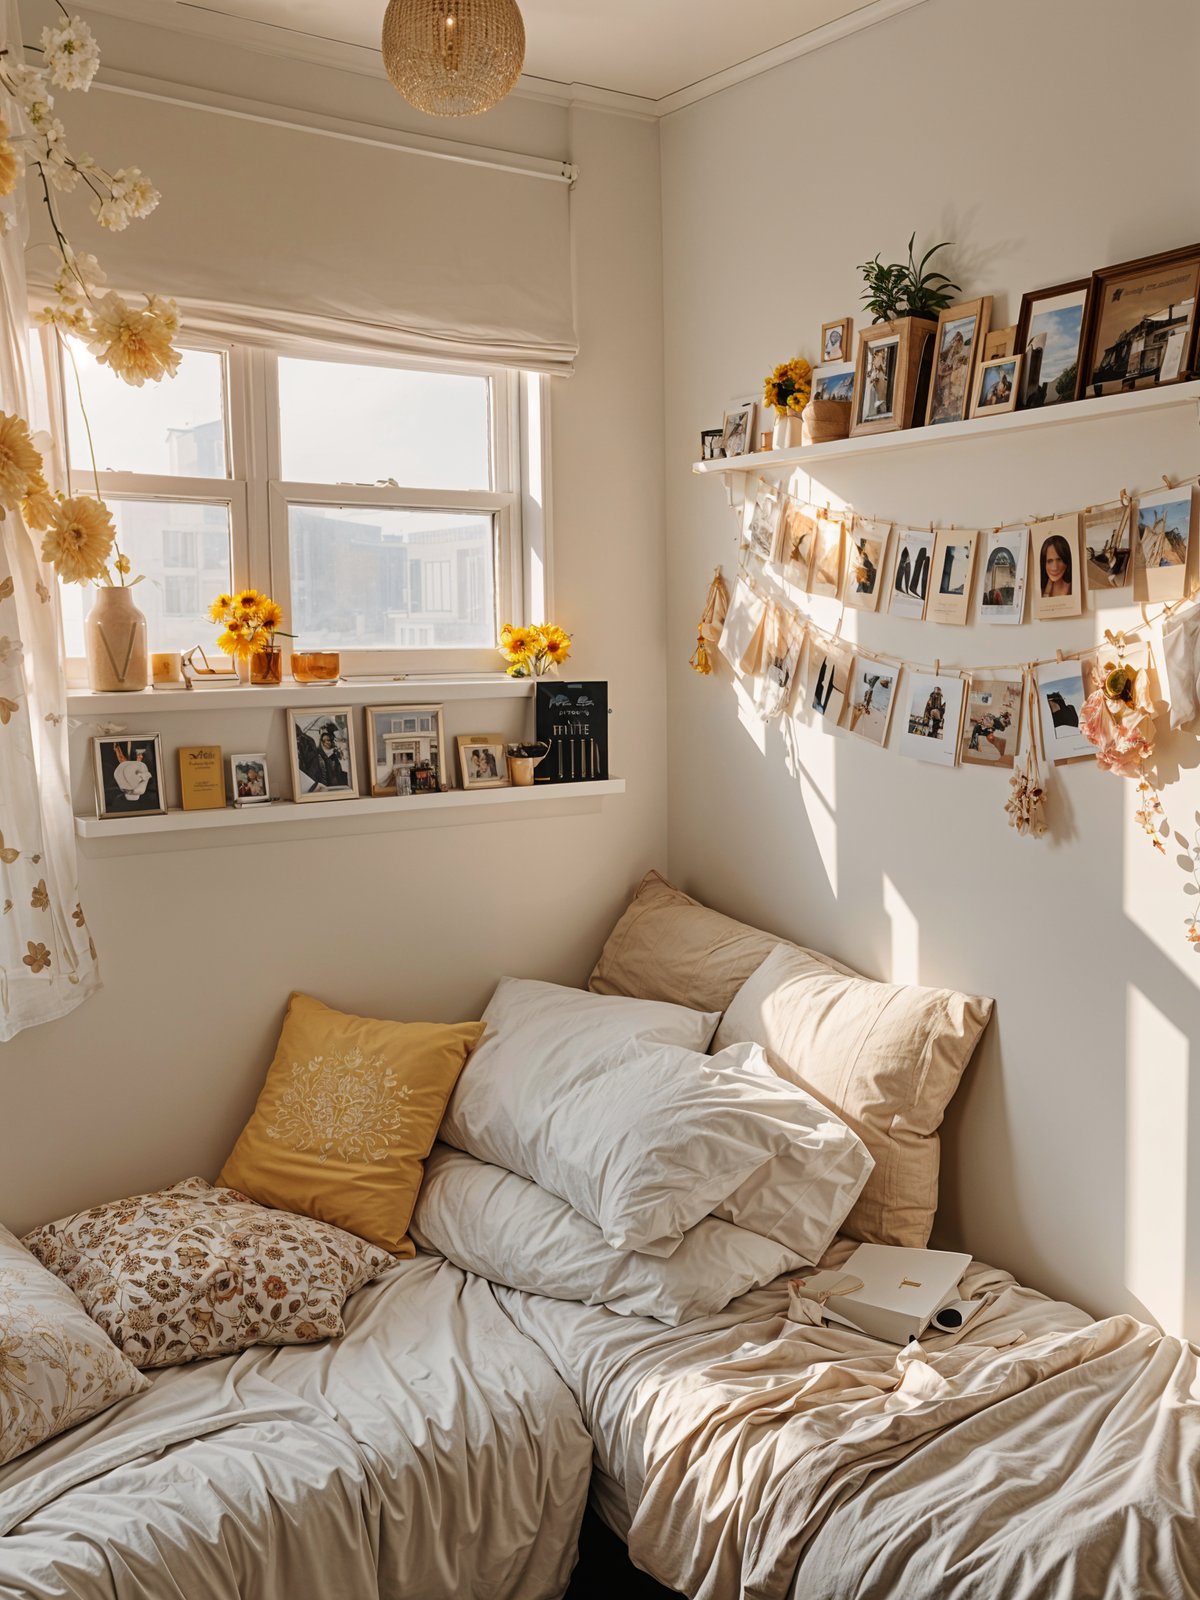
316,666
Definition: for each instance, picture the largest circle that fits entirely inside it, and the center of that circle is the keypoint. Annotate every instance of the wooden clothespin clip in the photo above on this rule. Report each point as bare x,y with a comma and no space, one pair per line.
1167,482
1058,653
937,666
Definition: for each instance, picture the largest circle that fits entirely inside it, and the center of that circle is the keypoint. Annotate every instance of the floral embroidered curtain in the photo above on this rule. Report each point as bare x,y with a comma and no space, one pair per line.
47,957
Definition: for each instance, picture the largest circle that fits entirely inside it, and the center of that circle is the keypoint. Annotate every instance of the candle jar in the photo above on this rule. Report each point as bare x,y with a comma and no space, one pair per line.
166,669
316,666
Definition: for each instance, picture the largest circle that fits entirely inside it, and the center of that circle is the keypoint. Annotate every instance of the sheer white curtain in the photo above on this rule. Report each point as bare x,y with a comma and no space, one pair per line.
47,957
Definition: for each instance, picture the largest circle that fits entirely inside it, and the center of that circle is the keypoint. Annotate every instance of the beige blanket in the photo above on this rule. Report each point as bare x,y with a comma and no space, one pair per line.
1036,1454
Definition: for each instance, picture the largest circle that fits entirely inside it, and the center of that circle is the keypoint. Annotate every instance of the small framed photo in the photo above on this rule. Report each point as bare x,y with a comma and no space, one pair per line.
737,430
129,775
249,779
1049,334
1140,323
321,743
406,749
483,758
999,343
834,382
996,388
961,331
835,340
711,447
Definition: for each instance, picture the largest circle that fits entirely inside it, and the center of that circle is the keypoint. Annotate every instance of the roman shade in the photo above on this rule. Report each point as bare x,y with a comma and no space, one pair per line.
274,232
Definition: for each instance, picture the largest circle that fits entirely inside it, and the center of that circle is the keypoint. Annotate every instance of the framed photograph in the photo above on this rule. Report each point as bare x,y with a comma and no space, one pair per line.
249,779
798,539
996,387
711,448
1060,700
949,597
129,775
830,664
961,331
1162,544
1058,579
991,733
868,710
1004,559
827,557
762,519
910,576
1140,323
866,556
932,715
321,745
886,373
737,430
483,758
1049,334
999,343
835,340
406,742
834,382
1106,539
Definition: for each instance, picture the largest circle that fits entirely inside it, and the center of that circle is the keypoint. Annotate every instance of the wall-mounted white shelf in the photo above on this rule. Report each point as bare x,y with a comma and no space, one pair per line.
251,697
290,813
1095,410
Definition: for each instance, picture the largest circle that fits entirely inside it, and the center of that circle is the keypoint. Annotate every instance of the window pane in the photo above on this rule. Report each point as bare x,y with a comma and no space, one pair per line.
175,427
347,424
380,579
183,550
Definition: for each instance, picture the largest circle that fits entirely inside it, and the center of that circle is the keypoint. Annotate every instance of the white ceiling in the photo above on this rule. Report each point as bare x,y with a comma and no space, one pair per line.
652,49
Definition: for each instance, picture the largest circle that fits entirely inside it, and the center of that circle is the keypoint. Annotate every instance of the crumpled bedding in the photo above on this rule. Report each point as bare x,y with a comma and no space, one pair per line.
1034,1455
431,1453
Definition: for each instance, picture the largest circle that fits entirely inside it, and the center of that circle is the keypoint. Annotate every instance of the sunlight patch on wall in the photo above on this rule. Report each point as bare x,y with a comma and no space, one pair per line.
906,937
1156,1160
818,793
748,716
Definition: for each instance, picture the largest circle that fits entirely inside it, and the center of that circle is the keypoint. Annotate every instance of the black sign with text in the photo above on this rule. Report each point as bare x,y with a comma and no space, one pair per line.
572,718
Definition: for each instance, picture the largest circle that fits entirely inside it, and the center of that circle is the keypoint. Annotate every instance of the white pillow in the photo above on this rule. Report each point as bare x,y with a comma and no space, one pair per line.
643,1138
509,1231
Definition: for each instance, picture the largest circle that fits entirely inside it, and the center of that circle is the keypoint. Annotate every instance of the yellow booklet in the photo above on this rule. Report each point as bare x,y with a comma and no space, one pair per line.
201,778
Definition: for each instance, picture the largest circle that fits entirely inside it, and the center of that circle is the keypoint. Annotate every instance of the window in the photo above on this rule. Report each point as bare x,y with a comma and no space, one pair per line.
387,507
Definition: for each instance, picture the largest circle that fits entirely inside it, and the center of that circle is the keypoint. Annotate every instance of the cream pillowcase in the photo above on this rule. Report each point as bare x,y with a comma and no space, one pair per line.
510,1231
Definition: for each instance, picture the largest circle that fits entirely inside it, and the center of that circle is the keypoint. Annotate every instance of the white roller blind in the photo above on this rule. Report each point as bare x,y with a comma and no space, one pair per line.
295,234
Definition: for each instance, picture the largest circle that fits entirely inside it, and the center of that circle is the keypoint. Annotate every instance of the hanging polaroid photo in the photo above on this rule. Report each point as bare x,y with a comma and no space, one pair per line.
1004,559
931,717
1106,541
783,643
797,541
950,589
742,622
910,576
1162,543
763,517
827,557
869,700
829,666
866,555
1058,578
991,733
1060,700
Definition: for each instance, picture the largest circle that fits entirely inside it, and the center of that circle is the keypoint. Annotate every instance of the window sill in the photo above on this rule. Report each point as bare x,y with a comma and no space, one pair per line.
356,691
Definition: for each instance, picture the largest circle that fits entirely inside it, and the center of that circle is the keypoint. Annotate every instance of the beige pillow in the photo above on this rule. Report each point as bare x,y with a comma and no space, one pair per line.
56,1367
194,1271
886,1057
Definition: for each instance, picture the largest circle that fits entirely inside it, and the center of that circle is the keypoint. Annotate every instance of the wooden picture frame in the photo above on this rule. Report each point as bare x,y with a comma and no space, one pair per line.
885,393
329,731
411,737
127,785
737,427
961,330
997,387
483,760
1158,345
835,341
1059,313
1000,342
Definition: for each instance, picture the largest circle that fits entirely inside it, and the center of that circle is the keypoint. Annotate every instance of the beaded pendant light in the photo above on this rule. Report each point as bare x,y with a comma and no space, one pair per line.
453,58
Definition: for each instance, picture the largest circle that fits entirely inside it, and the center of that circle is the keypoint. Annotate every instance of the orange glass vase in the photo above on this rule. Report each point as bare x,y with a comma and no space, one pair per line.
316,666
267,666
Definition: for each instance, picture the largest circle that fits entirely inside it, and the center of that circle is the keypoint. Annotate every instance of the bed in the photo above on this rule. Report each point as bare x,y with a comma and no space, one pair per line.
430,1452
1037,1453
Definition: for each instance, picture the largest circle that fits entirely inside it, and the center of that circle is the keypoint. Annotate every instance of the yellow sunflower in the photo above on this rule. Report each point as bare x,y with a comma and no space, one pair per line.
79,541
247,599
219,607
556,644
270,614
517,644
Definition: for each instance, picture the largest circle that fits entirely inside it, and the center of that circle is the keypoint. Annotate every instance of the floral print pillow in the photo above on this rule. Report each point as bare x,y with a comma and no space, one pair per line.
56,1367
194,1271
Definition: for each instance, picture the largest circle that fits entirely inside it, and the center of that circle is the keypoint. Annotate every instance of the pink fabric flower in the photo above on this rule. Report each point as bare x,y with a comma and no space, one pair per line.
1123,734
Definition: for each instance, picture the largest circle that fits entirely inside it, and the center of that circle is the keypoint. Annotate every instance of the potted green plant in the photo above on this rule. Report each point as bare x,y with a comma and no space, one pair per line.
905,299
899,289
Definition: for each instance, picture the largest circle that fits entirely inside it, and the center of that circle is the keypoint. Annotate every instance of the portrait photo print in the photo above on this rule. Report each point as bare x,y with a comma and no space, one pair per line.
1058,582
321,745
128,771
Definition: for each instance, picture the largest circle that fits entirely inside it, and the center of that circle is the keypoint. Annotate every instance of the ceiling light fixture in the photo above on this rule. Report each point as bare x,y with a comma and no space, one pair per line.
453,58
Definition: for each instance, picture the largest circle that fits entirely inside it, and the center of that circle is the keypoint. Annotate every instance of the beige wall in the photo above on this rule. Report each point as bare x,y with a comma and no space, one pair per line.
151,1081
1027,134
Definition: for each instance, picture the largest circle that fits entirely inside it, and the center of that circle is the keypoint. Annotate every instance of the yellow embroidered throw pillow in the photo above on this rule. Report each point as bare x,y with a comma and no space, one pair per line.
350,1109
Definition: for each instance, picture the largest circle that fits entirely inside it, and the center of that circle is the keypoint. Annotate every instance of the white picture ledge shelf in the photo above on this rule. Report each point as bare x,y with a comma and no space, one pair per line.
250,697
287,813
1076,411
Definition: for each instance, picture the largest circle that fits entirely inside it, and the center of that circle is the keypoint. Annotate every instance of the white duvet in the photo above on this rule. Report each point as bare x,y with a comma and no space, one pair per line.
431,1453
1036,1456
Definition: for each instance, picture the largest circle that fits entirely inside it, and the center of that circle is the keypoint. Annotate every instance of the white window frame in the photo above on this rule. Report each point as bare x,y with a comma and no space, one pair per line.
258,498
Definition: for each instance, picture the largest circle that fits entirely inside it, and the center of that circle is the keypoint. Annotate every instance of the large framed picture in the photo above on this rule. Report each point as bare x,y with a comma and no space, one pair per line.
321,746
1140,323
961,331
886,375
483,758
129,774
407,750
1049,334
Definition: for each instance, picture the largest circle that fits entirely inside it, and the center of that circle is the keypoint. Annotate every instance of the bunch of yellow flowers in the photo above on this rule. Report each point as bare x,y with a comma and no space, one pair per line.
789,387
251,621
532,652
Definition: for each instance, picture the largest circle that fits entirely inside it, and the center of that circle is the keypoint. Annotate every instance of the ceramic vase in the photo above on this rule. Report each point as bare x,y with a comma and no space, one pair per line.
115,638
